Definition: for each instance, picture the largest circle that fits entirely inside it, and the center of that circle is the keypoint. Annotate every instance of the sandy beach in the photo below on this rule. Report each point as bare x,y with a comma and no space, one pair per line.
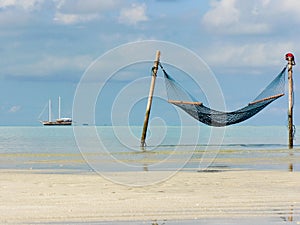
43,196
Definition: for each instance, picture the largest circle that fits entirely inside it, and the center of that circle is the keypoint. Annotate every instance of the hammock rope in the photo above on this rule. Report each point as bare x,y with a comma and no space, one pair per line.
180,97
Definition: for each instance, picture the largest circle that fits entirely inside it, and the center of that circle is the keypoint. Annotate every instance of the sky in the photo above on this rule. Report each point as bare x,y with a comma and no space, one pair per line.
47,45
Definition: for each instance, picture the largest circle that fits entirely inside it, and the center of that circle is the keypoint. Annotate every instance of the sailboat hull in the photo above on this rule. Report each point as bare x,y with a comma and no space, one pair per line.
60,121
56,123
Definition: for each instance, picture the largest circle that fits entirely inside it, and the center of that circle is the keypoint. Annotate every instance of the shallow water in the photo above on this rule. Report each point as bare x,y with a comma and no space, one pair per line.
117,149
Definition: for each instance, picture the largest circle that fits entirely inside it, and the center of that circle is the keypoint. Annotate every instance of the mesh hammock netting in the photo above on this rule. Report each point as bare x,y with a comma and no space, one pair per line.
178,96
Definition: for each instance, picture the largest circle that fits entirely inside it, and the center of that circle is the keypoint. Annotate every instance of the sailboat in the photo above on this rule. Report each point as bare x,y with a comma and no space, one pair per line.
61,121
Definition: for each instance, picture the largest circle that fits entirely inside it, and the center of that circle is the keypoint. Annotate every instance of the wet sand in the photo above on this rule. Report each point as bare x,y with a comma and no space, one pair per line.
32,196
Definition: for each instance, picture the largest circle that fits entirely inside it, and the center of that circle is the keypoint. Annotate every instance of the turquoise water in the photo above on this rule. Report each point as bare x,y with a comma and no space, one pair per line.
168,148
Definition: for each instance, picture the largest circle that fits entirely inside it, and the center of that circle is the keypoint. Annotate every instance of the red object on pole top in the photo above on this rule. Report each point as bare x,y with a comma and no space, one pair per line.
290,56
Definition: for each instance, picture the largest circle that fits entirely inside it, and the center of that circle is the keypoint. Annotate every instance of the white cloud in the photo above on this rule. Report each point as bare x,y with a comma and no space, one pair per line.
133,15
85,6
73,18
64,11
27,5
254,55
61,63
9,18
51,65
223,13
75,11
18,12
79,11
250,17
288,8
272,22
14,109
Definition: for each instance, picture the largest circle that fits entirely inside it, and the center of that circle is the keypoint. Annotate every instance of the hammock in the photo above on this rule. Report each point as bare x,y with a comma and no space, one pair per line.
178,96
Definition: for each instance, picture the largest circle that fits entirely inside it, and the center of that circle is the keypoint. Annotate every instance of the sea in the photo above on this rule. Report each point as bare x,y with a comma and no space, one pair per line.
105,148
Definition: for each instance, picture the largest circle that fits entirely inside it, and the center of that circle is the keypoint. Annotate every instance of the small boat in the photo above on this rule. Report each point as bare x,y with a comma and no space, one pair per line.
61,121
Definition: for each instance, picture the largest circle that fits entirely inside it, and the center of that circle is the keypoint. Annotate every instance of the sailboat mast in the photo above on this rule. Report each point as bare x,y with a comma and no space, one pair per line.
59,107
49,113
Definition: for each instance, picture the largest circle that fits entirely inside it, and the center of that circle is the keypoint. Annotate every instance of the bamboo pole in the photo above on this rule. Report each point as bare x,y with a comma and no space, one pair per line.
265,99
184,102
148,109
291,63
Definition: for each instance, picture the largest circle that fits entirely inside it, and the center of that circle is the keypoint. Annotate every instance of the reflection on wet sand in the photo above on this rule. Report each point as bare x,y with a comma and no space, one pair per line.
291,215
291,166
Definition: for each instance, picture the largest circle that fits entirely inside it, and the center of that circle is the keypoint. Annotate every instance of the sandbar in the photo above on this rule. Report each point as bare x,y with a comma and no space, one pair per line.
32,196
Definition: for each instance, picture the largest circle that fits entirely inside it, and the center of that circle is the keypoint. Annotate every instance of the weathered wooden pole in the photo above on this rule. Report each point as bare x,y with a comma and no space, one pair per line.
291,62
148,109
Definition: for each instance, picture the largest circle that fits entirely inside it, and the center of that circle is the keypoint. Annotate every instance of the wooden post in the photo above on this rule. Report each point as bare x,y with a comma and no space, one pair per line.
148,109
290,58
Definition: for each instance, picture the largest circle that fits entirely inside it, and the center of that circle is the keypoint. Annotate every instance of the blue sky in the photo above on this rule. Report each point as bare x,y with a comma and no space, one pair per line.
46,45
